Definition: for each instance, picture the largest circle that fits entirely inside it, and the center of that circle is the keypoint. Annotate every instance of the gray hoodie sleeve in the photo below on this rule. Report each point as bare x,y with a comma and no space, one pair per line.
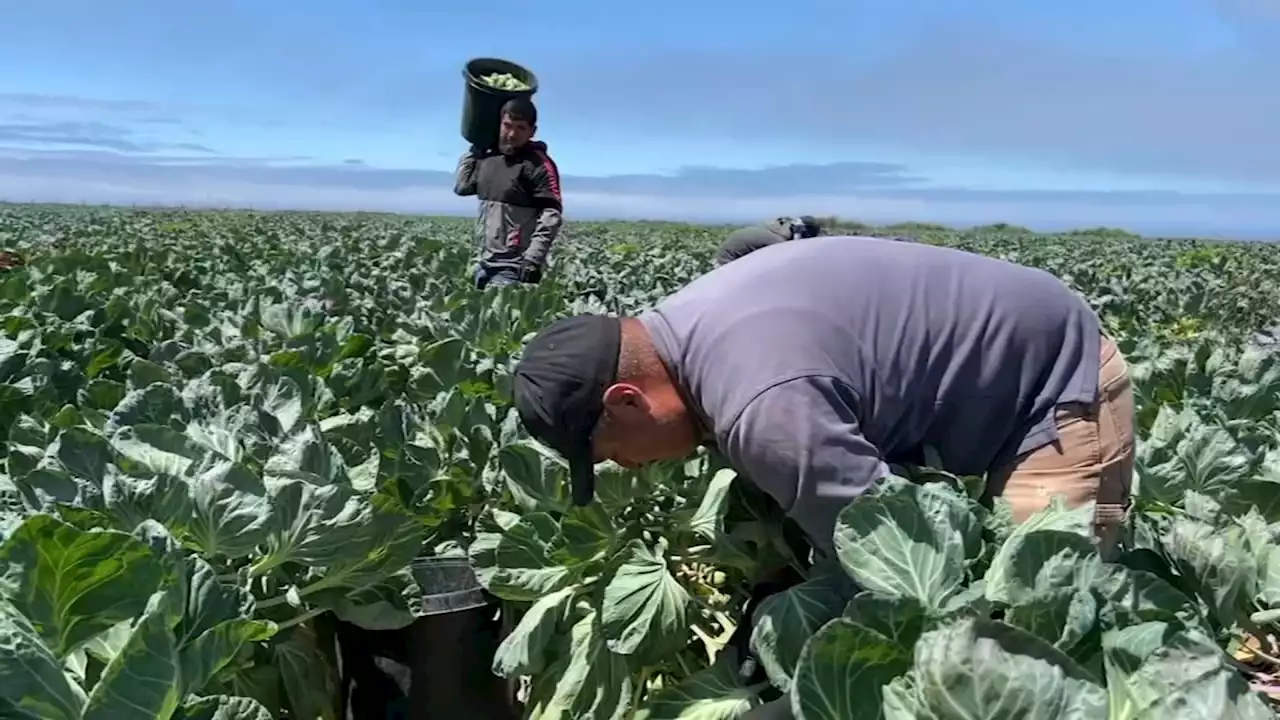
800,442
464,180
544,181
744,241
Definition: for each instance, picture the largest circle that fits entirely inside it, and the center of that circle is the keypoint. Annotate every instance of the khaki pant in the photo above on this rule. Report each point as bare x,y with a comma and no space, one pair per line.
1091,461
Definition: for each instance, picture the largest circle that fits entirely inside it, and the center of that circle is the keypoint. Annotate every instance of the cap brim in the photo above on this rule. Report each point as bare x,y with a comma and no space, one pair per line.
582,480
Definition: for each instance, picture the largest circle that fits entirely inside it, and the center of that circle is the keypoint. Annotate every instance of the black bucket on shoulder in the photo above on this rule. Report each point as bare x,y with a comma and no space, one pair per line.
482,103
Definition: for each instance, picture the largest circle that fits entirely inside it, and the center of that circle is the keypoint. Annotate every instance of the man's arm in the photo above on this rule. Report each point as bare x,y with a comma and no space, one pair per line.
464,179
731,249
544,182
800,441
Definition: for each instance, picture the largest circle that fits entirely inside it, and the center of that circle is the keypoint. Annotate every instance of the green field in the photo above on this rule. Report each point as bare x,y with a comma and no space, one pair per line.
220,427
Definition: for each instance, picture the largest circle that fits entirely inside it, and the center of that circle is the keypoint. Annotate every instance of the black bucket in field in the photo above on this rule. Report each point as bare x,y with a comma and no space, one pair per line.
482,104
448,585
440,666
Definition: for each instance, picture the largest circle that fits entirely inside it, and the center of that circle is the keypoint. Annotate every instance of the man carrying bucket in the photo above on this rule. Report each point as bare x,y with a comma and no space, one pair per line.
520,205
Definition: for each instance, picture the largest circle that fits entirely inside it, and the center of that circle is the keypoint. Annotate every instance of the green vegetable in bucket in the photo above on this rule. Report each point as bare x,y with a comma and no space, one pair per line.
504,81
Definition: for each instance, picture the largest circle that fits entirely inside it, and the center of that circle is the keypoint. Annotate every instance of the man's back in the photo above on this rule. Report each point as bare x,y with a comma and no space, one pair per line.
744,241
943,348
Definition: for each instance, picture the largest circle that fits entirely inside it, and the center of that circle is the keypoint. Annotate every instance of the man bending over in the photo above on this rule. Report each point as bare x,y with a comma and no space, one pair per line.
749,239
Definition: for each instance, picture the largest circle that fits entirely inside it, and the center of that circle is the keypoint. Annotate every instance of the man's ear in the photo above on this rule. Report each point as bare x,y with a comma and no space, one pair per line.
625,399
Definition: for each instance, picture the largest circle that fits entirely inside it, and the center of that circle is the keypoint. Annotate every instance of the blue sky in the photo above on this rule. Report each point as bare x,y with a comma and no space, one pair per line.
1157,116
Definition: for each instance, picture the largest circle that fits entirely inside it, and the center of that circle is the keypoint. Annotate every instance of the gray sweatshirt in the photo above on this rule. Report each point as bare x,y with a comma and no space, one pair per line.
813,364
520,205
744,241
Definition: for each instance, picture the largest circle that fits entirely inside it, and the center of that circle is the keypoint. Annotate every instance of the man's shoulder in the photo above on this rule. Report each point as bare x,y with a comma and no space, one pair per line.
537,155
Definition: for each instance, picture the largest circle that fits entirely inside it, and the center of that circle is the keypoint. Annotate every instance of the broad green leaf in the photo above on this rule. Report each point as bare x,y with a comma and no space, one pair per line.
291,321
645,610
1215,565
144,680
1155,670
711,694
523,651
784,623
414,477
535,477
1130,597
148,448
618,489
312,524
230,511
306,455
1262,490
1031,564
708,520
283,401
517,565
901,620
591,682
976,668
107,645
33,685
1064,617
392,603
1051,549
586,532
47,487
100,394
144,373
1268,587
899,699
905,540
73,584
80,452
389,541
131,500
843,671
442,364
1182,452
222,707
261,681
310,680
217,620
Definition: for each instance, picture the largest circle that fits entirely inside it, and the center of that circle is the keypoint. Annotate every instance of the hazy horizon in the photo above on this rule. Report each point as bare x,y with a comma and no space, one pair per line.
727,224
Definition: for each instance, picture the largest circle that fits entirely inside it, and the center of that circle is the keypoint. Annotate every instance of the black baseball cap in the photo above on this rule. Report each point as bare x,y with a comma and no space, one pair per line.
559,387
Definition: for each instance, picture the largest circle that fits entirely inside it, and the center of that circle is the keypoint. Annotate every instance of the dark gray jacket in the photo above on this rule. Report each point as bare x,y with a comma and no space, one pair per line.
749,239
521,210
861,351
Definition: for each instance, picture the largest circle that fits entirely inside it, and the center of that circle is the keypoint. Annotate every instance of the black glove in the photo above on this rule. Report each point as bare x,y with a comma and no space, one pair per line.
750,671
478,152
530,272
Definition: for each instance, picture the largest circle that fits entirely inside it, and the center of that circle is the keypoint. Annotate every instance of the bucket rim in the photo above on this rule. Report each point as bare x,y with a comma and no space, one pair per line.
500,65
440,562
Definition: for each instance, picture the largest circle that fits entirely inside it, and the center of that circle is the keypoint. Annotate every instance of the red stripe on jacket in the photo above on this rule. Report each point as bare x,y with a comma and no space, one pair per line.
553,173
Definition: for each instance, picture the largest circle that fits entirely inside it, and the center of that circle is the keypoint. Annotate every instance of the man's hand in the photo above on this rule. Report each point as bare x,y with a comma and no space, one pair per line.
750,671
530,272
